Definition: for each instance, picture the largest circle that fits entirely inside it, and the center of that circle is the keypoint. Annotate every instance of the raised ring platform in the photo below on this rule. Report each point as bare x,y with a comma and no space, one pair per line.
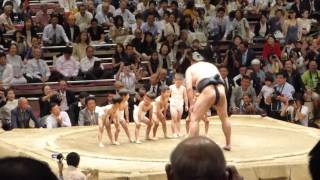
263,148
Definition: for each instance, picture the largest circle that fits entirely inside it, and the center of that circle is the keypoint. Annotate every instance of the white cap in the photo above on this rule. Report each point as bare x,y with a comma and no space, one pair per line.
255,62
197,56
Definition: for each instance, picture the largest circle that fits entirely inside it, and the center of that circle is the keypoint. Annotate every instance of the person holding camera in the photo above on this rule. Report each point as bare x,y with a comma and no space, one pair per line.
283,91
71,172
295,111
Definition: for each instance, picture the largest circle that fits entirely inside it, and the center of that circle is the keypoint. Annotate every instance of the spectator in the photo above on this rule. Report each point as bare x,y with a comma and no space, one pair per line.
72,30
266,94
247,54
262,29
57,118
6,20
67,96
6,71
240,26
72,172
104,16
172,26
54,34
111,8
149,45
127,16
83,17
150,26
79,48
153,86
42,17
29,31
142,6
17,65
153,64
166,60
236,97
304,23
37,69
68,5
233,57
119,31
277,22
293,77
290,27
22,167
164,80
209,163
89,115
66,66
96,32
108,100
76,107
296,112
21,115
273,65
127,77
91,66
49,96
249,107
228,83
218,25
5,110
152,9
21,43
186,23
271,47
210,9
310,78
237,78
118,58
35,43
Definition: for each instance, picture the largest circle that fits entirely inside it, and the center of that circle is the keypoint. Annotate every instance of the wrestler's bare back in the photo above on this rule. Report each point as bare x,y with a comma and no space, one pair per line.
199,71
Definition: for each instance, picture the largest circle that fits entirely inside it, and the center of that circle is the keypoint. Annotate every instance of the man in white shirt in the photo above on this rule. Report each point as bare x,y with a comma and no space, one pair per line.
127,16
111,7
90,66
6,71
72,172
6,20
57,118
103,16
218,26
37,69
54,34
83,18
66,65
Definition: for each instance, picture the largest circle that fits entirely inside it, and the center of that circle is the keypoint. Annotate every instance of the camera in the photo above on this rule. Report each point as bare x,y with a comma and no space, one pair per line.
275,103
57,156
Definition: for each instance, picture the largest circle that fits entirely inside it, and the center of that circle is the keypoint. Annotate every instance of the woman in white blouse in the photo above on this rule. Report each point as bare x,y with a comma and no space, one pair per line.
17,65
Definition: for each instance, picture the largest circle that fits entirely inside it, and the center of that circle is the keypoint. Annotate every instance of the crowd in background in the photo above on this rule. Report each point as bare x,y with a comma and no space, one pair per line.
156,39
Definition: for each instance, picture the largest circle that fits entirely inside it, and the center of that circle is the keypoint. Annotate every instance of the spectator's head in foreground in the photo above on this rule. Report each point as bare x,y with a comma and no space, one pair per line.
197,158
314,162
73,159
16,168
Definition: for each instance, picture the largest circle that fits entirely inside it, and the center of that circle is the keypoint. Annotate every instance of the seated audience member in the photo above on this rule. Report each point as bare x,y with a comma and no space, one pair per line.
89,116
119,31
90,66
72,172
271,47
21,115
266,94
295,111
104,16
6,71
96,32
23,167
247,54
5,111
6,20
20,40
79,48
68,5
76,107
57,118
37,69
237,92
127,16
310,78
108,100
66,96
17,65
228,83
118,58
237,78
248,106
66,66
293,77
164,80
83,17
127,77
54,34
48,96
42,17
153,85
218,26
72,30
262,29
314,162
199,158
